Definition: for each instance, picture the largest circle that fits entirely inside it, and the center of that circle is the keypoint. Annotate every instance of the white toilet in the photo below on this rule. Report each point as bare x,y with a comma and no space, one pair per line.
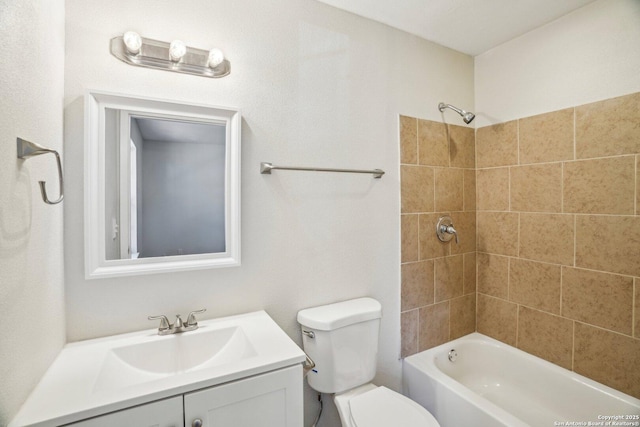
342,339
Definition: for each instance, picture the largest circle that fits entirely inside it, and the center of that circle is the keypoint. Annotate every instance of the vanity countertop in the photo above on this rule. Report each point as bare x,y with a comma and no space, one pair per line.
95,377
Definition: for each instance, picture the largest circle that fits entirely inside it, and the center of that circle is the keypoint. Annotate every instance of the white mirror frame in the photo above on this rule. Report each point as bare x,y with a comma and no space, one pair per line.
96,264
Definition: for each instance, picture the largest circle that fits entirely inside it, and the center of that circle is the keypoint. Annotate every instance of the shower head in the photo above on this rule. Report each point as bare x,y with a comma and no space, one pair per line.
467,116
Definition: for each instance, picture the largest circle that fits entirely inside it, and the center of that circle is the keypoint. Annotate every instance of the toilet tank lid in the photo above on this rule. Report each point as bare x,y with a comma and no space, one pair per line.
340,314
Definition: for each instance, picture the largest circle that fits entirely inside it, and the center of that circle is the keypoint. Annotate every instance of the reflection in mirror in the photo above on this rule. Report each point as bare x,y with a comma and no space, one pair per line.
169,186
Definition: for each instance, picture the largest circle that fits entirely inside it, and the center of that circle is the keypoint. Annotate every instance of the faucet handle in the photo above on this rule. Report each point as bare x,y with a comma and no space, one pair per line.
191,320
164,322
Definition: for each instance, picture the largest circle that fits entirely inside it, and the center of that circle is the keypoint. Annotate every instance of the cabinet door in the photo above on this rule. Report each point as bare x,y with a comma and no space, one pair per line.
163,413
268,400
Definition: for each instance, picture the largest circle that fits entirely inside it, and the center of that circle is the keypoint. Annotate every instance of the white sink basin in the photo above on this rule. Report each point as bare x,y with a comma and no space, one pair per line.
94,377
183,352
161,356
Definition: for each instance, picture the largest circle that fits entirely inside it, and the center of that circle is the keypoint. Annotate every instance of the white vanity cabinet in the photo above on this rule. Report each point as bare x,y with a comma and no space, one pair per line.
163,413
235,371
267,400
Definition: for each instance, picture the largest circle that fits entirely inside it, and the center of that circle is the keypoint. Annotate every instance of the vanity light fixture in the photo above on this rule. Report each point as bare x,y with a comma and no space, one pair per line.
177,49
175,56
216,57
132,41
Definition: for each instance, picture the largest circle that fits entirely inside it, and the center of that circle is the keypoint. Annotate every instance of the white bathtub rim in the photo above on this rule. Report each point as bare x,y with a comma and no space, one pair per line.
420,362
423,361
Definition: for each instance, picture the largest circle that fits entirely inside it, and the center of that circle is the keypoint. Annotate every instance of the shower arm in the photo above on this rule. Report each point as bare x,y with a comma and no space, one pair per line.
467,116
442,106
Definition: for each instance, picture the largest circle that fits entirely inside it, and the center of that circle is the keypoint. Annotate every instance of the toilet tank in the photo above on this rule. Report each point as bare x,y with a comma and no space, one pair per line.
342,340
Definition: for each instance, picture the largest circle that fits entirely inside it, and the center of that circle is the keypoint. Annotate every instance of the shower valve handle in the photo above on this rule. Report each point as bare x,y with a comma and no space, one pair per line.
445,229
449,229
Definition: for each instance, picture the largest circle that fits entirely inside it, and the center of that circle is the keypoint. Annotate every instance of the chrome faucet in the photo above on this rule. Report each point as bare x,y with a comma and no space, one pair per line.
178,326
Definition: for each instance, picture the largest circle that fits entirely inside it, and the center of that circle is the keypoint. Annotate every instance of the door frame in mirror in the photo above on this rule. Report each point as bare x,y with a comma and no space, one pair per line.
96,264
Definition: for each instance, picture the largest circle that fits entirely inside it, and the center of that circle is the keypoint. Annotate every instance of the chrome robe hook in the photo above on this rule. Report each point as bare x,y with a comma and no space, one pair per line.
26,150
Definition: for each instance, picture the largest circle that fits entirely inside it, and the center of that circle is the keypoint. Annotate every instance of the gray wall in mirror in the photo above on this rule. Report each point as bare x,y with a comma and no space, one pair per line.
182,197
178,193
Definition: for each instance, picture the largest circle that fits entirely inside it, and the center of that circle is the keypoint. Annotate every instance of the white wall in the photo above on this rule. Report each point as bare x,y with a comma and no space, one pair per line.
31,246
588,55
318,87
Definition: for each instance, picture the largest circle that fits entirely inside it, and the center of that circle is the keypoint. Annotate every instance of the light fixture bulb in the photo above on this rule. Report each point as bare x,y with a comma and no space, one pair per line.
216,57
132,41
177,49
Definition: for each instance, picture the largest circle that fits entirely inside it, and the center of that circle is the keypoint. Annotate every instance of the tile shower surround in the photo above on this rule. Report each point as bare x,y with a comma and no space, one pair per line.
438,300
551,204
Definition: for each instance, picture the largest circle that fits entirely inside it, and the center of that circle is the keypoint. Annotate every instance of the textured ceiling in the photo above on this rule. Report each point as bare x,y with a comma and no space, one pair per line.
469,26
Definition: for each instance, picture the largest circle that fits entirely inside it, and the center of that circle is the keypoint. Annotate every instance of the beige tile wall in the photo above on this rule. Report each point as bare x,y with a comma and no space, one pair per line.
558,238
548,211
438,300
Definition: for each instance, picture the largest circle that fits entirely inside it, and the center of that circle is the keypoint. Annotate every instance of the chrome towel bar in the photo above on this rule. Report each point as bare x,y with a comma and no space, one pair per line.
266,168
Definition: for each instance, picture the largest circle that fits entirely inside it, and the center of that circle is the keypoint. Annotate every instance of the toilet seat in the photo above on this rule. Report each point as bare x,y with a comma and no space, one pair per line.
382,407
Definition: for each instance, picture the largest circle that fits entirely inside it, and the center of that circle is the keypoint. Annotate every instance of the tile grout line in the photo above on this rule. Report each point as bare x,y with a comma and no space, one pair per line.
419,245
518,243
634,312
561,287
518,141
518,163
508,278
603,329
476,291
449,322
553,162
574,133
433,301
475,178
509,188
417,330
517,324
417,143
575,239
509,299
434,190
562,188
573,345
628,215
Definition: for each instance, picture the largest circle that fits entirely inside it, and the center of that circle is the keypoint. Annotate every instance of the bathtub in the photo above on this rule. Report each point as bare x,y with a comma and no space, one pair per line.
490,384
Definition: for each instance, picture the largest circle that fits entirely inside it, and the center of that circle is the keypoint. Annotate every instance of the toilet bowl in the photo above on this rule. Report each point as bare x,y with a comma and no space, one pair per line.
342,339
373,406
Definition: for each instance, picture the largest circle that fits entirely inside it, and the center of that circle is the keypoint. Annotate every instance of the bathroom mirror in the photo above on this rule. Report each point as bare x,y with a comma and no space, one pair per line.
162,186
